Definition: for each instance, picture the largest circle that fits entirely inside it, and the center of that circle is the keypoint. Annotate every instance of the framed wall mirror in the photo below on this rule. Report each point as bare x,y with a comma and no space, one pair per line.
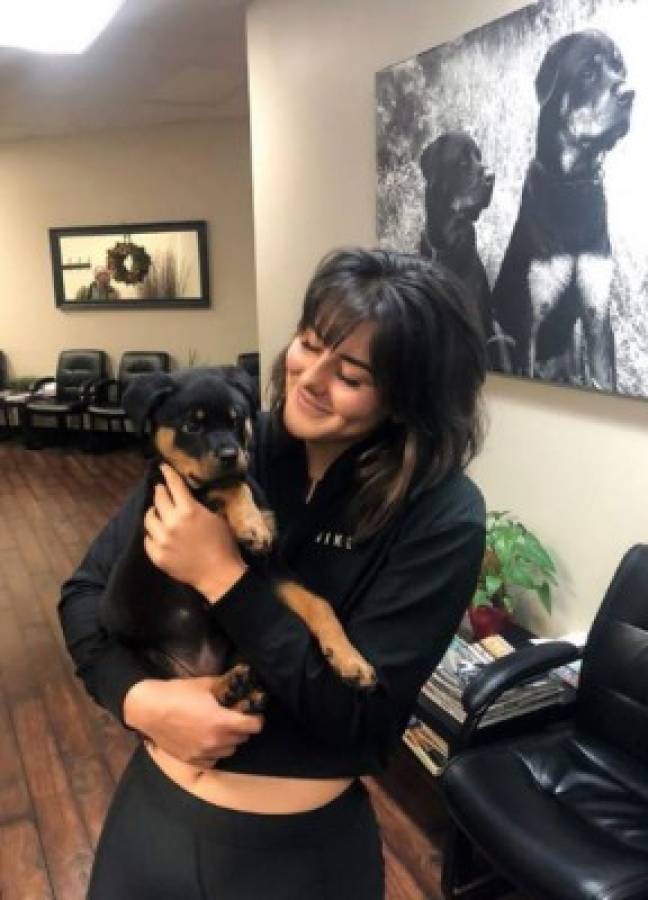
135,266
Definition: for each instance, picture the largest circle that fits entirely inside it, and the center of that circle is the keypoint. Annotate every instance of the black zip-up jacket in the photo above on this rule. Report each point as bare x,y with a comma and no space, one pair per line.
399,594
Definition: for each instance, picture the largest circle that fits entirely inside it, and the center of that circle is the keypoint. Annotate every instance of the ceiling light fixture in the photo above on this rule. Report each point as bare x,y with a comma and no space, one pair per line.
54,26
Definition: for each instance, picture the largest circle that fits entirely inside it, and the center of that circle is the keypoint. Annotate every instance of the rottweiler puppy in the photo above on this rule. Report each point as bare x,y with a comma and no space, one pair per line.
458,188
552,294
201,425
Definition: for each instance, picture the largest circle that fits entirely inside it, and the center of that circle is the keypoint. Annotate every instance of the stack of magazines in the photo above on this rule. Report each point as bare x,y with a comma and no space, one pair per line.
443,689
461,663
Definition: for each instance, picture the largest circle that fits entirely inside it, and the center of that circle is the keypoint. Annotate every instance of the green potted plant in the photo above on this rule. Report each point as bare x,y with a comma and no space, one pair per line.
514,562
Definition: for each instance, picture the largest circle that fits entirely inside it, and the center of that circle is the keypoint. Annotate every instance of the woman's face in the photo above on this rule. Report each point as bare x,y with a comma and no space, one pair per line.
330,392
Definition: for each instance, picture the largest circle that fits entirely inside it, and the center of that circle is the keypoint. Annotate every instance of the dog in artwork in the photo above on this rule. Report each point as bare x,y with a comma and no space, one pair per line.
552,294
200,423
458,188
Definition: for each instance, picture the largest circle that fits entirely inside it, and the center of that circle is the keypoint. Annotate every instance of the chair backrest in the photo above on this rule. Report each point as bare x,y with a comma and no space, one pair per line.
613,692
249,362
75,368
140,362
3,370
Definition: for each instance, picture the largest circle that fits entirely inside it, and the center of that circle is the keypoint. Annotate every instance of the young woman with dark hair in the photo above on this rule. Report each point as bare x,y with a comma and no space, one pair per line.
374,416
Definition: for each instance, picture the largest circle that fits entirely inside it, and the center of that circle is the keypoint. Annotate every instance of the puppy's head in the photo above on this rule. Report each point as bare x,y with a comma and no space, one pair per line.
200,420
456,177
581,87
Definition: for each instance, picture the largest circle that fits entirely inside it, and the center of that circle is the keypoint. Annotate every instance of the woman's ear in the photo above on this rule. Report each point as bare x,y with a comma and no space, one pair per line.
144,395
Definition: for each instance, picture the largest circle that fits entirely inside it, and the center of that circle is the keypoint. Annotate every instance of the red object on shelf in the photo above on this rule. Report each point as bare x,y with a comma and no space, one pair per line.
487,620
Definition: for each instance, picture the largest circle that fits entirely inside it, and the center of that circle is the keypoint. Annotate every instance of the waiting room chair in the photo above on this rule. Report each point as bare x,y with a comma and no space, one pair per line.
105,396
563,814
250,362
75,370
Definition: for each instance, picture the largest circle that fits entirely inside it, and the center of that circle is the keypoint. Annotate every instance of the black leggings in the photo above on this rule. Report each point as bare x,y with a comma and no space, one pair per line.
159,842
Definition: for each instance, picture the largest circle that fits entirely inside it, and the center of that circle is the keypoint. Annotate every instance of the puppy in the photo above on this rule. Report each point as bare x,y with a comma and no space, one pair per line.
201,425
457,189
554,282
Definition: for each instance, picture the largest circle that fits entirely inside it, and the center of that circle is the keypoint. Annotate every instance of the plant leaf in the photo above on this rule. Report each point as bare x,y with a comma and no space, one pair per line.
544,593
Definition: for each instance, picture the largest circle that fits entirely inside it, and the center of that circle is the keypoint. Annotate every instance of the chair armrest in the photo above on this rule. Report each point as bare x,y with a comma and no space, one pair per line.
510,671
95,389
514,668
35,386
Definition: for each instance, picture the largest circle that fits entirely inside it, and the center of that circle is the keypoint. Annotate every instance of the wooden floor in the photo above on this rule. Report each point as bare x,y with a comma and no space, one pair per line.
60,755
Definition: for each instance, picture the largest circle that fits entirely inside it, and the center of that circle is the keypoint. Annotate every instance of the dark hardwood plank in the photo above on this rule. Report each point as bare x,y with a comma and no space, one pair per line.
63,836
406,842
23,874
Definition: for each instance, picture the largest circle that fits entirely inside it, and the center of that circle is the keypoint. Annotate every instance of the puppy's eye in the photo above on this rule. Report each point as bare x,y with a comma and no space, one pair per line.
192,427
588,74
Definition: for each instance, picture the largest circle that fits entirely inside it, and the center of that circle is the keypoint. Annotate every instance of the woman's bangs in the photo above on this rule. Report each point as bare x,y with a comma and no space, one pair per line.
333,319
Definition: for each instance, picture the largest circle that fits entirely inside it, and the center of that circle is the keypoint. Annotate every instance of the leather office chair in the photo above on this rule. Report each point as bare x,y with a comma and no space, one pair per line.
75,370
105,396
563,814
250,362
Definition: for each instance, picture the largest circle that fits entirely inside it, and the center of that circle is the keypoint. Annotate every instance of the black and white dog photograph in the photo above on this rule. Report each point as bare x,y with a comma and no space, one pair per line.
514,156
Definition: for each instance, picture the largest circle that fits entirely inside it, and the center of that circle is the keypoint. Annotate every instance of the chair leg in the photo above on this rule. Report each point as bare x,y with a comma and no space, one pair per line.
466,874
30,437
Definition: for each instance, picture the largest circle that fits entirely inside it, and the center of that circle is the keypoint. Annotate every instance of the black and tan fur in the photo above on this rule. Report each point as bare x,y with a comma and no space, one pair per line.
201,425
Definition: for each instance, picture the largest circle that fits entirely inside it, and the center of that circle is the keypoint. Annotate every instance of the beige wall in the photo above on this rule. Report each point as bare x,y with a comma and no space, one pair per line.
573,465
188,171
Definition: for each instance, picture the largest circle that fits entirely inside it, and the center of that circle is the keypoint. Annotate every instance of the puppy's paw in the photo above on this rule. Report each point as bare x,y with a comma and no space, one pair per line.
234,685
352,668
256,532
255,703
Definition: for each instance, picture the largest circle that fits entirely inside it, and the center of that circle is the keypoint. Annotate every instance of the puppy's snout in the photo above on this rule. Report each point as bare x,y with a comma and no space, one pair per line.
227,456
624,95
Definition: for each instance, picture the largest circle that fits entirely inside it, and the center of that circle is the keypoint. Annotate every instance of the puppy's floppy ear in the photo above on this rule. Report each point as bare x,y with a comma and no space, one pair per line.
144,394
245,384
547,77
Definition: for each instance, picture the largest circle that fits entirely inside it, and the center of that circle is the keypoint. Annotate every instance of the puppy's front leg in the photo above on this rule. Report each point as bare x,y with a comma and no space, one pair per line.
318,615
251,526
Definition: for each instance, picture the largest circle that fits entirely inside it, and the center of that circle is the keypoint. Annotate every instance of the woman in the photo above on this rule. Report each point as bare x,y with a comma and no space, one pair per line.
374,415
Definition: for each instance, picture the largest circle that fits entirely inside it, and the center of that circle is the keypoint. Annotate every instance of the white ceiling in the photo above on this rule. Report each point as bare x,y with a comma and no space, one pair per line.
158,61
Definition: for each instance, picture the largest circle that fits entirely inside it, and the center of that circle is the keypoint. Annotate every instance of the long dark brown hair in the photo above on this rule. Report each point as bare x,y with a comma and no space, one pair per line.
428,363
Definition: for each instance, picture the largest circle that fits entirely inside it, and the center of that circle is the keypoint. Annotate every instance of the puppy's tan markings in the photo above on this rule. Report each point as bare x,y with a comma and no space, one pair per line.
324,624
252,527
192,470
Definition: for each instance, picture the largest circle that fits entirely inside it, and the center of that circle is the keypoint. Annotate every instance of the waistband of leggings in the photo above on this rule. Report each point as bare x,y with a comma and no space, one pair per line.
248,828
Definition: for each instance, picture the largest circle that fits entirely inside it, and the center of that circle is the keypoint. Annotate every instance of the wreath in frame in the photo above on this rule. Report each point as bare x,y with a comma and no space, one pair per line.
136,271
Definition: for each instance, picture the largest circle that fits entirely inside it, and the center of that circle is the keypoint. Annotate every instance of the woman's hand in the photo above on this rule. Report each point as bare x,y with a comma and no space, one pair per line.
183,717
189,542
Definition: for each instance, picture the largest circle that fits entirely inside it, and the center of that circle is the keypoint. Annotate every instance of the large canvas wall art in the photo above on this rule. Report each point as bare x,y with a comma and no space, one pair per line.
516,156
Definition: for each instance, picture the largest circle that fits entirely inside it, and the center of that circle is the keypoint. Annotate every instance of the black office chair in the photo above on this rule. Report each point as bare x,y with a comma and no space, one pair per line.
250,362
563,814
105,397
75,370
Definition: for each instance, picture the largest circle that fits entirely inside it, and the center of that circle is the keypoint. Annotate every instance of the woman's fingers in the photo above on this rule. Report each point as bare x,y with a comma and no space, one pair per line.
163,501
178,491
153,525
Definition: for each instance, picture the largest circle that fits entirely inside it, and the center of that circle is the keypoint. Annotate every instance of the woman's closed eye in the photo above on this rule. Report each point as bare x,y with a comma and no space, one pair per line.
350,380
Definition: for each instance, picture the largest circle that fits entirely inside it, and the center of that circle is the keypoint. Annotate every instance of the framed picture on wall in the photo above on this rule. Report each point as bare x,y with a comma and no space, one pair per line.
136,266
514,155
